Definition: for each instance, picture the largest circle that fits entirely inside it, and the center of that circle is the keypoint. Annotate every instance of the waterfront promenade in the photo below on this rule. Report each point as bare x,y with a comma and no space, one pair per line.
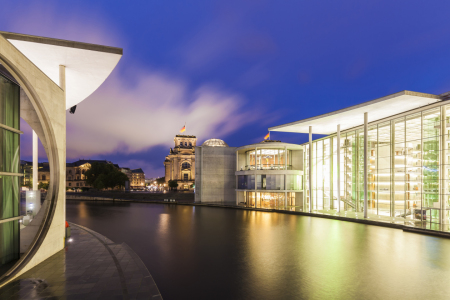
89,267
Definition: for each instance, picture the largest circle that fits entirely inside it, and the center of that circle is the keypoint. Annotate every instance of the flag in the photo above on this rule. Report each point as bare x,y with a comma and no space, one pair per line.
267,136
183,129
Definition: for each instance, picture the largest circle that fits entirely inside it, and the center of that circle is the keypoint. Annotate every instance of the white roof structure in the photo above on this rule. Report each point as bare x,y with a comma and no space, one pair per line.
354,115
87,65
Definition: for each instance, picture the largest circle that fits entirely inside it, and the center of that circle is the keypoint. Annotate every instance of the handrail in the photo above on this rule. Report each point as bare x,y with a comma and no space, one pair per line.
11,219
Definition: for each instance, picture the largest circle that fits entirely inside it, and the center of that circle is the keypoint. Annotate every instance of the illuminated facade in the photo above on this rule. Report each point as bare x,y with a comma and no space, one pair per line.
137,180
180,163
393,166
270,175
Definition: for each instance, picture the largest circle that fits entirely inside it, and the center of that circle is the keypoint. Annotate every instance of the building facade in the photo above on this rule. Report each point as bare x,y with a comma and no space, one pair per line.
386,160
215,180
270,175
137,180
180,163
35,86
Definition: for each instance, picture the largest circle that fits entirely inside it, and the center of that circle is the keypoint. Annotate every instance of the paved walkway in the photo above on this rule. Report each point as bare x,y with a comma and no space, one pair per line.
90,267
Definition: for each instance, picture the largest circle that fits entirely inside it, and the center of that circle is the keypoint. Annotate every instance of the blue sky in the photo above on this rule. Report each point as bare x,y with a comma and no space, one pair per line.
231,69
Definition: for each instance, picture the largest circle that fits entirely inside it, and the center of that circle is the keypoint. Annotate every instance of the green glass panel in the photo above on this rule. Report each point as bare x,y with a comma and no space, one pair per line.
9,242
9,103
9,151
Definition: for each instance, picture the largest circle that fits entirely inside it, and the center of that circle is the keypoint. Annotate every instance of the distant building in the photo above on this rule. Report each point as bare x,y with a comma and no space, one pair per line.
180,163
137,181
75,173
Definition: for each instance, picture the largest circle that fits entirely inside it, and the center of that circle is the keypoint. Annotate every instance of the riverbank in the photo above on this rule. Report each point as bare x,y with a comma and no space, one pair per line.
90,267
181,196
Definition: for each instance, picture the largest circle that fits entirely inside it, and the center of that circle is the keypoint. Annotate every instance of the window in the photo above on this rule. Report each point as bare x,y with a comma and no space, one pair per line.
82,172
70,183
69,178
185,144
185,165
190,144
70,172
186,177
44,177
246,182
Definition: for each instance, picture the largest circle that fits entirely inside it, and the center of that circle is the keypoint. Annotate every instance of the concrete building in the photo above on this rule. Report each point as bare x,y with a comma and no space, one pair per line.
270,175
215,180
40,79
180,163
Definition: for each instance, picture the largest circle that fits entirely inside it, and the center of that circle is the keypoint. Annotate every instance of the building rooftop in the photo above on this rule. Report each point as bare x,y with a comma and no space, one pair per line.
137,171
353,116
215,143
185,136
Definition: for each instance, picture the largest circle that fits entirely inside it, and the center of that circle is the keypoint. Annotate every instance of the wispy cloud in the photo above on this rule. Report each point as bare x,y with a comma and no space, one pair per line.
135,109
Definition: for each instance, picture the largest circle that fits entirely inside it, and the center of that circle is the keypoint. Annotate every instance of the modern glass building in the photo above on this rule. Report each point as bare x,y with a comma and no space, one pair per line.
9,170
386,160
270,175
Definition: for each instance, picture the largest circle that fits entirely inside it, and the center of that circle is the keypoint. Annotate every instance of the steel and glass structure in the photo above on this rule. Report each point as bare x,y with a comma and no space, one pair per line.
270,175
385,160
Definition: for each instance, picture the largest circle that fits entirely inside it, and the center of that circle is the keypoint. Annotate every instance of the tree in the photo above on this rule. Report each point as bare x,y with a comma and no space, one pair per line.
173,184
103,176
43,186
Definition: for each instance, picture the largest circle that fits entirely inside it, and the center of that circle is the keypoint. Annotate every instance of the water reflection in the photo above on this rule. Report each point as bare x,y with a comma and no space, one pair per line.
214,253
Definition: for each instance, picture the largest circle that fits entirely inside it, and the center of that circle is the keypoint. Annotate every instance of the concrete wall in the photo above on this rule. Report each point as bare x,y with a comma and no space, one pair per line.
46,114
297,159
215,179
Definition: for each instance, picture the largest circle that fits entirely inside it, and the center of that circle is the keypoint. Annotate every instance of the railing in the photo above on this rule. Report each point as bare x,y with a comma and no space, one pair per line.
267,167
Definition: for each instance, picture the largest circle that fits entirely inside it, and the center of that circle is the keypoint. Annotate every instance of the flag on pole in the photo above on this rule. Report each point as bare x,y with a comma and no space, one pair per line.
183,129
267,136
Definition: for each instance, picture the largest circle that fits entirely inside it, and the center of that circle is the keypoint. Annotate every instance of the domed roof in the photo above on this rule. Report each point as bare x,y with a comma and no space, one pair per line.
215,143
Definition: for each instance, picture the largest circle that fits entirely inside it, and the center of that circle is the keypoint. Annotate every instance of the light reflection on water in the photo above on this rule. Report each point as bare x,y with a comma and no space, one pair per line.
214,253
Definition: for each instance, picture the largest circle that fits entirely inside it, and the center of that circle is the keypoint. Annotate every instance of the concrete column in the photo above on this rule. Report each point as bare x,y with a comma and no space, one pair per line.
338,162
256,167
285,157
392,168
443,176
365,163
35,161
310,170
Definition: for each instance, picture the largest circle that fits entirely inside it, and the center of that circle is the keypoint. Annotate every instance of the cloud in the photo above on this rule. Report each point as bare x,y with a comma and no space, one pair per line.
135,109
127,119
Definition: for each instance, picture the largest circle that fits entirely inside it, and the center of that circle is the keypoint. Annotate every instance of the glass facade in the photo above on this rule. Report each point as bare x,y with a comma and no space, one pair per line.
9,167
408,169
268,159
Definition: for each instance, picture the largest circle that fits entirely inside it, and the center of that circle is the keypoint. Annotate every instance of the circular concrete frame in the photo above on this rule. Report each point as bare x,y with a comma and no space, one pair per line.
50,140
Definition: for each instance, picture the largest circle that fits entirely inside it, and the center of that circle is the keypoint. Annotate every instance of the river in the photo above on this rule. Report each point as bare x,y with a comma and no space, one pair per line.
196,252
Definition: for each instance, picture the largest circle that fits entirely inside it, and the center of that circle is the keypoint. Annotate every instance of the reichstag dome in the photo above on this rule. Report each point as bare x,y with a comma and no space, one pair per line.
215,143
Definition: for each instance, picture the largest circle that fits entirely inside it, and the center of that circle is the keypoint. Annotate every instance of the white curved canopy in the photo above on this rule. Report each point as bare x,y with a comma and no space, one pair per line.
354,115
87,65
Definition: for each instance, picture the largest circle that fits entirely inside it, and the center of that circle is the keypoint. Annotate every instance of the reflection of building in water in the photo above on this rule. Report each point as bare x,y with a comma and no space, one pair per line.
180,163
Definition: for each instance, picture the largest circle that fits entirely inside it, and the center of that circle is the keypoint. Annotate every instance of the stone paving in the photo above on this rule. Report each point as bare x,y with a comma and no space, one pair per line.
90,267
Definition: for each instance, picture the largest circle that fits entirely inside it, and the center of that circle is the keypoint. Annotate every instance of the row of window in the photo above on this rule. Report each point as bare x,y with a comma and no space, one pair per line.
270,182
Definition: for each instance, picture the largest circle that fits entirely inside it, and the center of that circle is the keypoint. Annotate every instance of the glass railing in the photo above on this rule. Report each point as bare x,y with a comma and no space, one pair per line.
266,167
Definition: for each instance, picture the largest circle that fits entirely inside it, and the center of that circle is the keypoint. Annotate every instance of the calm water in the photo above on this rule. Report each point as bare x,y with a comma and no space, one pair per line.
216,253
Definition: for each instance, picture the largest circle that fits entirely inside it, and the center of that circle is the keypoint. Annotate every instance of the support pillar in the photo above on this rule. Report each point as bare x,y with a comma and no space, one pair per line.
338,163
35,161
256,168
310,170
443,176
365,163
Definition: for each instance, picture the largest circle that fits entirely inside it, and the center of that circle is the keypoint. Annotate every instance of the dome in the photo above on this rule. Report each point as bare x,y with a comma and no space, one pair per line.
215,143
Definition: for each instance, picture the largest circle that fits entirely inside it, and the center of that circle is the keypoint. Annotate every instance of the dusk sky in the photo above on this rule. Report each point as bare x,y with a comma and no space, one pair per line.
231,69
